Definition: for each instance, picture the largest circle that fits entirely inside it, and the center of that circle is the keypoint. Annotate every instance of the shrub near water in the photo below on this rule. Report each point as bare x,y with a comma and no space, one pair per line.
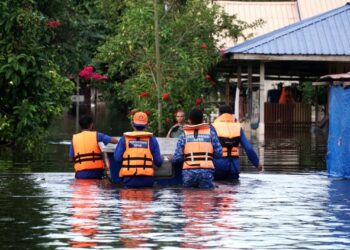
32,90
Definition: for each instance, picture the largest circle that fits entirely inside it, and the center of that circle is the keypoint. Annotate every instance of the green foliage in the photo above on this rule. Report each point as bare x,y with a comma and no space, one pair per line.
309,93
32,90
189,31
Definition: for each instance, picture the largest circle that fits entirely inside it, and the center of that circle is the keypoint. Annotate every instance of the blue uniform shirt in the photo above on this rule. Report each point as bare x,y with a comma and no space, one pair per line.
137,181
224,166
178,157
154,146
91,174
100,138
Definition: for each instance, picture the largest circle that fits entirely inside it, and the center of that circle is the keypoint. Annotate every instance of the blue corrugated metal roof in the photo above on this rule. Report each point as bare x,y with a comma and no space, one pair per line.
325,34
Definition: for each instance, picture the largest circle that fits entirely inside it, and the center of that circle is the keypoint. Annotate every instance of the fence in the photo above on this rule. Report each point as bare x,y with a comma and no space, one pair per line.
288,115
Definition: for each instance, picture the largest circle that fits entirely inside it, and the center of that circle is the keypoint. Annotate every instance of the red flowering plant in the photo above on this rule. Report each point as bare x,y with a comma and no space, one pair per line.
92,77
187,54
53,23
88,74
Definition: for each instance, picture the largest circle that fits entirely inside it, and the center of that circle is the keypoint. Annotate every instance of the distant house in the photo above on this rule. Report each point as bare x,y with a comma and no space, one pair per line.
275,14
299,52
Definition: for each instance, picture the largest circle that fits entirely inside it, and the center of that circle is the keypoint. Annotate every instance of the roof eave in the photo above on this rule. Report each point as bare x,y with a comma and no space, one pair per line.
264,57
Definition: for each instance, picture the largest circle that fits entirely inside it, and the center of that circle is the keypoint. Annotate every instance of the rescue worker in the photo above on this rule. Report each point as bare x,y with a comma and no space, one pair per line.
136,153
177,129
231,135
195,151
85,152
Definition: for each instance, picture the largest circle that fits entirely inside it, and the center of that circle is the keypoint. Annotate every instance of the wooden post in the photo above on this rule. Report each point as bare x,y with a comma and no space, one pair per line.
238,103
250,90
262,98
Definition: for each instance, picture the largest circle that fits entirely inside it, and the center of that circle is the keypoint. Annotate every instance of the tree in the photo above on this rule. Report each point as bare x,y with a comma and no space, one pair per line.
189,31
42,45
32,90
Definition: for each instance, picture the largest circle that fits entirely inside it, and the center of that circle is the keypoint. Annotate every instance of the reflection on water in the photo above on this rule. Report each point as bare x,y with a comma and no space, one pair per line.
136,216
280,211
293,205
85,213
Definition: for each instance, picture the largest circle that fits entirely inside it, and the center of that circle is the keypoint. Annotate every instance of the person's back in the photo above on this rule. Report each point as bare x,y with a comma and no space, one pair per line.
231,136
195,151
136,153
85,151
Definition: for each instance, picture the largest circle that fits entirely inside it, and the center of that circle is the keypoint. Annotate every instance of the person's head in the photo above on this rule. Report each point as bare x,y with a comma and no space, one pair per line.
196,116
225,109
139,121
180,117
86,122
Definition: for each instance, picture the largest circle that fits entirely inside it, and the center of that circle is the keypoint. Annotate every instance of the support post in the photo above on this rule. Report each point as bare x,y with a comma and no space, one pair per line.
262,98
238,102
250,90
227,90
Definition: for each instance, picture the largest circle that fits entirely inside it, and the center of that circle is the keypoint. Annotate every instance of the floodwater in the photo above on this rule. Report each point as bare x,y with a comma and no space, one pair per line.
292,205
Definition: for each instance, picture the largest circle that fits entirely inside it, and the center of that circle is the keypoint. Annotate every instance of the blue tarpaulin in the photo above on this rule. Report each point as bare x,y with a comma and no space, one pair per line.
338,154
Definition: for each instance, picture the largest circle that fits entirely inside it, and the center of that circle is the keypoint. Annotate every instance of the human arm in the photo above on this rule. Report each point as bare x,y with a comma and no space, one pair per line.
216,143
171,130
71,152
114,140
252,156
106,138
119,150
157,158
178,157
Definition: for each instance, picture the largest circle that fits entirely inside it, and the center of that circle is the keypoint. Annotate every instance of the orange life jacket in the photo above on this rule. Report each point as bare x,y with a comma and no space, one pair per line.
198,151
229,133
87,153
137,158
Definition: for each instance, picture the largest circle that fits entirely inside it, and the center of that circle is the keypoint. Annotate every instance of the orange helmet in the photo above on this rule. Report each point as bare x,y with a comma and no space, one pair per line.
140,119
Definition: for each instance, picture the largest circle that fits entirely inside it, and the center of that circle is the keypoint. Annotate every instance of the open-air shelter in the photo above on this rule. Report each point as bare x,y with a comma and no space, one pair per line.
300,52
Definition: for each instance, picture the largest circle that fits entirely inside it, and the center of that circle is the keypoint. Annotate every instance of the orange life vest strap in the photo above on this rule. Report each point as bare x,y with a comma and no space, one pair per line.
85,157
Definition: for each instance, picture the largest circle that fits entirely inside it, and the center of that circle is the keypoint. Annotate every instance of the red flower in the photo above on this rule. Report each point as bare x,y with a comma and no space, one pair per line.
98,77
213,83
144,94
147,112
198,101
54,23
86,72
207,77
166,96
222,51
133,111
204,46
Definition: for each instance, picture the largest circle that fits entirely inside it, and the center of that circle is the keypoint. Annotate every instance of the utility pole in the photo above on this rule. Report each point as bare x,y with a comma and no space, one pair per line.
158,72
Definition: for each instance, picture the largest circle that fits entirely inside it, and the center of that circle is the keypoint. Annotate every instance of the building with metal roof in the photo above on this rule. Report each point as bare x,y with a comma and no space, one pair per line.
275,14
301,52
325,35
310,8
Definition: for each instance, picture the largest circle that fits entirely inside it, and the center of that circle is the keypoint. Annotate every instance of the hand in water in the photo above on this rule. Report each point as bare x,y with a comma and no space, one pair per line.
167,157
260,168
